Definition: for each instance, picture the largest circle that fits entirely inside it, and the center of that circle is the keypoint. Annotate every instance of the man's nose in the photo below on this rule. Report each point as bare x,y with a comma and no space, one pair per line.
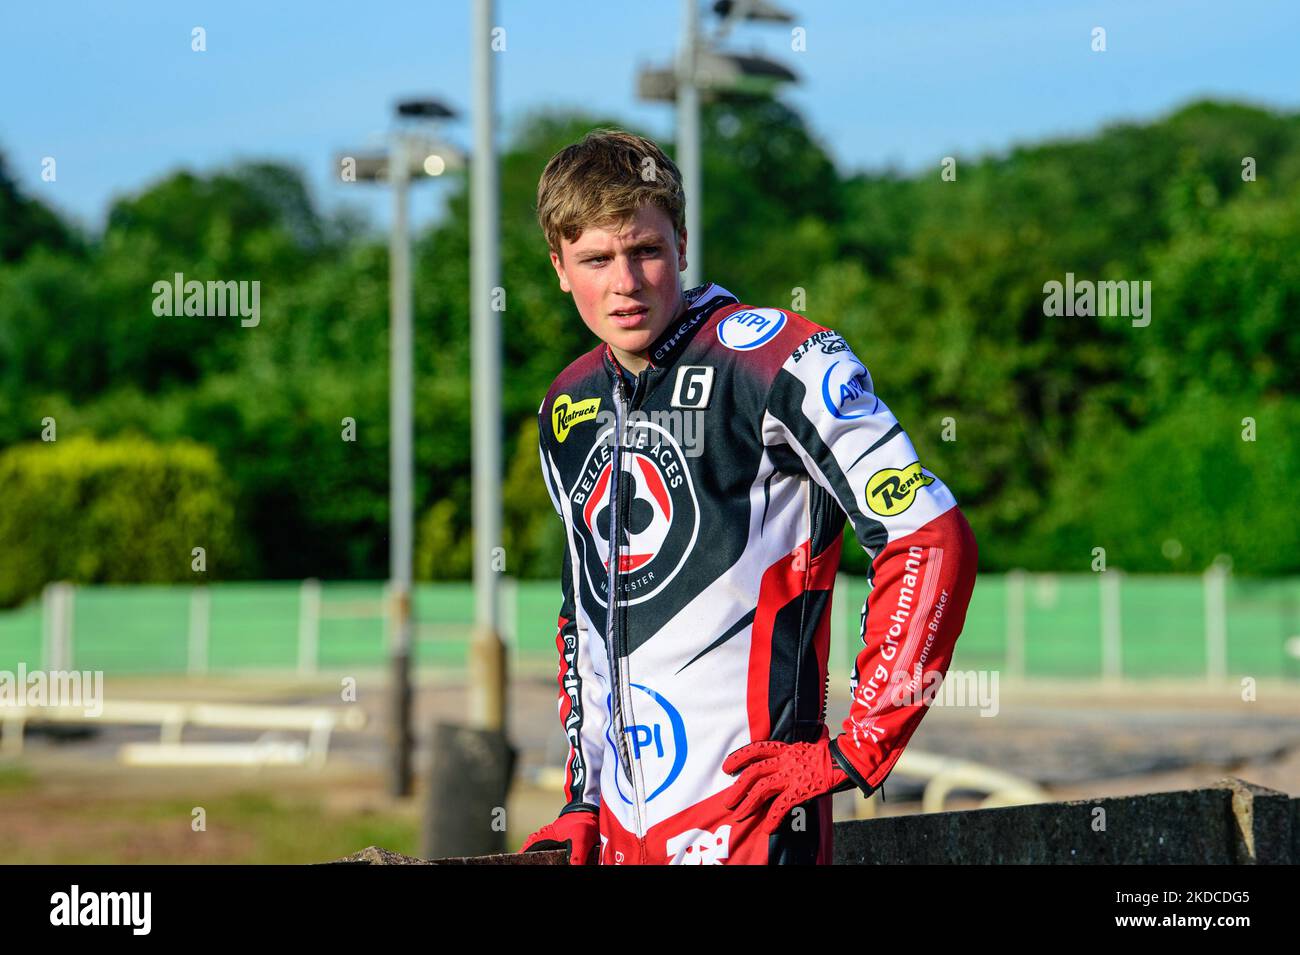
626,279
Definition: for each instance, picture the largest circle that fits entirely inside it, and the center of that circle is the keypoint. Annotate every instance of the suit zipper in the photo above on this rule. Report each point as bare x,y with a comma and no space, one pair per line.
619,670
812,540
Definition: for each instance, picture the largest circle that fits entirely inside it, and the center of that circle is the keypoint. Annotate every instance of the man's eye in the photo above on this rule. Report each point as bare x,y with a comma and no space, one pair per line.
650,250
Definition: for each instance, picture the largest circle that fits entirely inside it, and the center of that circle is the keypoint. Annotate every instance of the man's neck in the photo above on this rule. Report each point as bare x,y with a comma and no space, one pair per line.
633,362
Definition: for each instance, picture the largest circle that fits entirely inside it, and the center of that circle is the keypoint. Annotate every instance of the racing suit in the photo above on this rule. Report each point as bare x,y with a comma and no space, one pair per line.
704,506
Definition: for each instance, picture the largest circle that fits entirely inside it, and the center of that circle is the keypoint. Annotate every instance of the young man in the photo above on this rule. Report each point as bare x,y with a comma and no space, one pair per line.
703,460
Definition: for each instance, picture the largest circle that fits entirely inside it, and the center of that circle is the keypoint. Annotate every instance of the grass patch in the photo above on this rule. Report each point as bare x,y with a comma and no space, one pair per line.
15,778
285,831
249,827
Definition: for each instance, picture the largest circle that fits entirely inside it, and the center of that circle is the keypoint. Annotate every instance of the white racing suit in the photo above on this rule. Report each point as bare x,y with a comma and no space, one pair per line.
734,461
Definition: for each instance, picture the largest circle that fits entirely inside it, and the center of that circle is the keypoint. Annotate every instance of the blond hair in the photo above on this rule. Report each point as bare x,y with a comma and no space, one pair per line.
602,181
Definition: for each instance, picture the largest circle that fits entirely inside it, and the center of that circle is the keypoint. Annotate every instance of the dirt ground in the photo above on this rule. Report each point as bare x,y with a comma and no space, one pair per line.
71,800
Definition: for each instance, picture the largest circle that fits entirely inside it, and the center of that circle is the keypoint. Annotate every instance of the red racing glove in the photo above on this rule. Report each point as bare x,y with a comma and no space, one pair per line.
784,774
578,831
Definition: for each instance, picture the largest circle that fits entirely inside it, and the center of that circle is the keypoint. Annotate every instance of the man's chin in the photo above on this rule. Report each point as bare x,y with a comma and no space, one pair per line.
632,340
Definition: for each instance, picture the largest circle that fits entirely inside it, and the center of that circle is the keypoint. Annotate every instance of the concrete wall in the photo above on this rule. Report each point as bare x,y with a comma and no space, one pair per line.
1231,823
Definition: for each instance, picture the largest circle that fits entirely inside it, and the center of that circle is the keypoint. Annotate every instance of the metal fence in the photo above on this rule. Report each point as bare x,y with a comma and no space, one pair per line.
1108,625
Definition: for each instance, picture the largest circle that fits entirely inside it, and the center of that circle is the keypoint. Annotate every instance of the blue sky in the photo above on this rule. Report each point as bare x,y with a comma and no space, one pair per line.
113,91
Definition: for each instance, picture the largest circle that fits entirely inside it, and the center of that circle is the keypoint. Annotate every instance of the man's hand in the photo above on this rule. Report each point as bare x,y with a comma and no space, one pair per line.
577,831
782,774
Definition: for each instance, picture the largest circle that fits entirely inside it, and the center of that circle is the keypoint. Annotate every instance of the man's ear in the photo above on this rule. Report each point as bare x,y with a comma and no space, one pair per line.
559,271
681,251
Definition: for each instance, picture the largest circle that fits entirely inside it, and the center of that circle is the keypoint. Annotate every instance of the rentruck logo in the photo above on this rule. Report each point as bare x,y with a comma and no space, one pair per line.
891,491
566,412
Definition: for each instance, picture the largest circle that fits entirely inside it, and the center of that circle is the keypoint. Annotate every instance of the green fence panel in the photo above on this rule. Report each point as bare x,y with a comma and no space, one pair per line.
131,628
1263,615
1062,625
1163,626
255,626
352,629
983,641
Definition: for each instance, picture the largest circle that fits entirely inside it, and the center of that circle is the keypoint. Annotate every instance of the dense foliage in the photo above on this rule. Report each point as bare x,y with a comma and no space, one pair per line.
1070,432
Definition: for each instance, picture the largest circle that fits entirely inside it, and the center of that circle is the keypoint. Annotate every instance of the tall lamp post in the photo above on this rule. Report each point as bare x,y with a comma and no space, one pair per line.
472,763
413,154
702,72
487,651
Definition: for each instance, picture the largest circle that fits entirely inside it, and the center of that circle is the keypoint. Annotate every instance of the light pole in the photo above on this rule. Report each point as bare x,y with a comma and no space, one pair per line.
487,652
401,472
472,763
702,71
411,155
688,141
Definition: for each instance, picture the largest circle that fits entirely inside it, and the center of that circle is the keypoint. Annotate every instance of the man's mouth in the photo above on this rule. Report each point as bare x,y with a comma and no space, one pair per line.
629,317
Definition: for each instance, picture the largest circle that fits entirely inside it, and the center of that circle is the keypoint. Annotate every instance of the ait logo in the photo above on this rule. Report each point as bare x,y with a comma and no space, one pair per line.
700,847
846,389
658,745
660,515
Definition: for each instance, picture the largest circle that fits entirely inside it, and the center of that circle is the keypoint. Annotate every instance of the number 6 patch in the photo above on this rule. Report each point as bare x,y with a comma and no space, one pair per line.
694,384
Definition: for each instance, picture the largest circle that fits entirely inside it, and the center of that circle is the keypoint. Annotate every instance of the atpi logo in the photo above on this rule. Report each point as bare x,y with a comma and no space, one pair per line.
891,491
846,389
566,412
750,329
658,745
660,516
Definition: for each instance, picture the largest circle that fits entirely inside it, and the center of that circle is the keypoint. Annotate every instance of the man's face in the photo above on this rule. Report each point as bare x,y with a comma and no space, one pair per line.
625,284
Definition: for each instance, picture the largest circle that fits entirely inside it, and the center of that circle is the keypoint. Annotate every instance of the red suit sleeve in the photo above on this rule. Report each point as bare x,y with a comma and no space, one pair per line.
922,585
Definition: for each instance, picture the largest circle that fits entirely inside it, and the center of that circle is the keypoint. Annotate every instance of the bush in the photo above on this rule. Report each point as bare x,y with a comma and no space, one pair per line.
119,511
